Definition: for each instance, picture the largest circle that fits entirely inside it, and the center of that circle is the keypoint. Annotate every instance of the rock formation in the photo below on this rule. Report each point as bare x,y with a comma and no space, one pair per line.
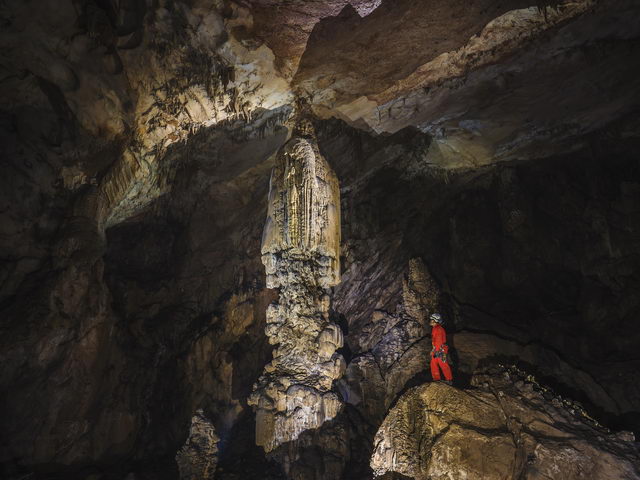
394,346
504,428
487,157
301,254
198,456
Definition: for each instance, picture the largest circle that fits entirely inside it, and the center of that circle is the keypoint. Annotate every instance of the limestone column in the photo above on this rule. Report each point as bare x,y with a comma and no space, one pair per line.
301,254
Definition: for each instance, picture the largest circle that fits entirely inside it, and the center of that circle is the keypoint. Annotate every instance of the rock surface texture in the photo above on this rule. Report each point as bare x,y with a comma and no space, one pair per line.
487,154
301,254
498,430
198,456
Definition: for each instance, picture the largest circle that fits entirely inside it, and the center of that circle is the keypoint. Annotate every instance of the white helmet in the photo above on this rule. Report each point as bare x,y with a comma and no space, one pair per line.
436,317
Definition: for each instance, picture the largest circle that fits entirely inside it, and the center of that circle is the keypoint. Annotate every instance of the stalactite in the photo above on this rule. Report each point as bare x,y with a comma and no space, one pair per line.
301,252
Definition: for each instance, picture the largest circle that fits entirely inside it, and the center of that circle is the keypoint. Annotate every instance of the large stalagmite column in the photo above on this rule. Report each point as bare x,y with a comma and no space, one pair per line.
301,254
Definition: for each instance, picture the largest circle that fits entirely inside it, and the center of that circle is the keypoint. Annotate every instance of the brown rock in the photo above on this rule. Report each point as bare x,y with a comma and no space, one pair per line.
198,457
440,432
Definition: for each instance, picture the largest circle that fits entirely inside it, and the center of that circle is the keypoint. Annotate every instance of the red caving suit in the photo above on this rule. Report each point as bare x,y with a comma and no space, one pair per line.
439,341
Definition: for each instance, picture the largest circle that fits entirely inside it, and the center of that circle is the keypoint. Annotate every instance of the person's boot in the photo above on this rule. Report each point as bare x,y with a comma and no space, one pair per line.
449,382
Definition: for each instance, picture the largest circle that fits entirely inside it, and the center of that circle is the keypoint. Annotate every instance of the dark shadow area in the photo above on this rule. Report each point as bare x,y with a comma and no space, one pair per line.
394,476
156,468
461,379
342,322
627,421
240,458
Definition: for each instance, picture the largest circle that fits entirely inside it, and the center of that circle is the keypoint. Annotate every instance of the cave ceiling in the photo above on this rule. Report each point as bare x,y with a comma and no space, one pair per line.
489,81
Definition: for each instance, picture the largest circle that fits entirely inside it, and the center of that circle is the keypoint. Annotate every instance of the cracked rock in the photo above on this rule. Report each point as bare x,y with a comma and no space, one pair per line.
439,432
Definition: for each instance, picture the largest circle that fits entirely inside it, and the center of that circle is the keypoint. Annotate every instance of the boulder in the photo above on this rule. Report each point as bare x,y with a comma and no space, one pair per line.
498,430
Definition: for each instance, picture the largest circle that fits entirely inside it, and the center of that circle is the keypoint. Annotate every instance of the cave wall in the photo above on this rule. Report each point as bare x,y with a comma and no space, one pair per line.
533,260
103,321
524,259
510,254
112,340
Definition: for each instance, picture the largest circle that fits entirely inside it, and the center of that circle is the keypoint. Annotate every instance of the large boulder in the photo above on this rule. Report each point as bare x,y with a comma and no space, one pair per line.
500,429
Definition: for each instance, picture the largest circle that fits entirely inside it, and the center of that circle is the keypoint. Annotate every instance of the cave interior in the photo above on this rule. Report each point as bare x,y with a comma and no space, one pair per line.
225,224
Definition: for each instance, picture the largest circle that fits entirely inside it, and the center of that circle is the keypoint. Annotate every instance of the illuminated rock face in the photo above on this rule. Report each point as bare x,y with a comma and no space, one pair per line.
301,252
505,427
303,220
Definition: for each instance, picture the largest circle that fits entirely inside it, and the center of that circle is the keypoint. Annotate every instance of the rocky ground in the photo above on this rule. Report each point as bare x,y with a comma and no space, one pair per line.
508,426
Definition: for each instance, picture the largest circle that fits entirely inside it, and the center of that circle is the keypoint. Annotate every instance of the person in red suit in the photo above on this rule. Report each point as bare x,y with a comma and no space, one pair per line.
439,350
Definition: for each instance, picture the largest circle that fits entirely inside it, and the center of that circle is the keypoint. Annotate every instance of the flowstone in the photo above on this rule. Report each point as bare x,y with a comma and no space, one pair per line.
301,254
